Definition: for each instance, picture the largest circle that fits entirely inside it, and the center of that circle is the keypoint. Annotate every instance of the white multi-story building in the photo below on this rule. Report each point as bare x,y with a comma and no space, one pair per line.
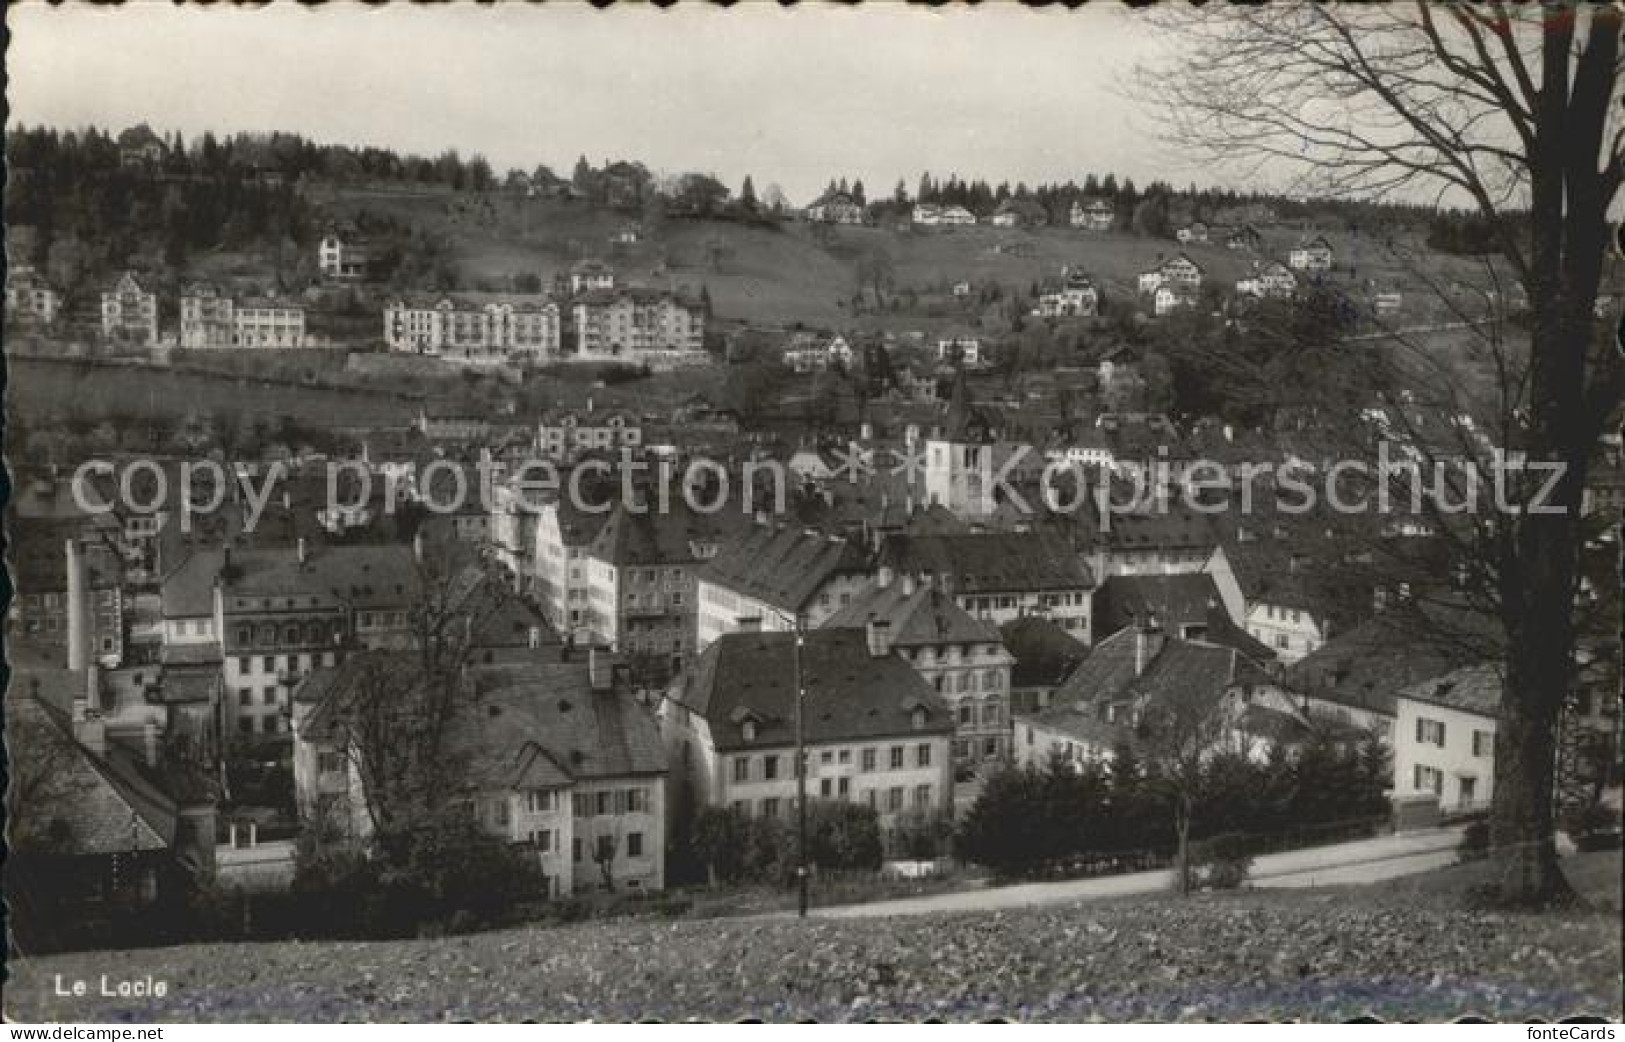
206,317
812,352
564,434
1444,737
267,322
1274,281
130,313
932,215
341,256
561,761
591,276
962,658
879,736
29,298
489,332
1312,255
1000,576
623,323
1096,215
772,576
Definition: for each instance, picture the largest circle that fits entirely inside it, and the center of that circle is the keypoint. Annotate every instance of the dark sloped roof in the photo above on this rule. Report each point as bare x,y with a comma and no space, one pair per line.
543,725
530,726
652,537
1174,600
102,808
1365,667
1104,674
851,694
919,614
361,576
1045,653
1474,689
784,567
1083,726
990,562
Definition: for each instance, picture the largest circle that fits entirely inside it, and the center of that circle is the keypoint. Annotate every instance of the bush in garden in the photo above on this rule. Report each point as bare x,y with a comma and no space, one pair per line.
1223,862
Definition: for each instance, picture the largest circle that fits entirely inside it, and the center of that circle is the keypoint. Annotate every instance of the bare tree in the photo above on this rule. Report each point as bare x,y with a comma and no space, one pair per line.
1175,734
1514,112
395,709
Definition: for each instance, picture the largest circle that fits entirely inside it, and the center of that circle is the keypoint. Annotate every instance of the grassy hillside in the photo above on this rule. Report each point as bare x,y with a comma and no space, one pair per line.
50,391
799,274
1398,953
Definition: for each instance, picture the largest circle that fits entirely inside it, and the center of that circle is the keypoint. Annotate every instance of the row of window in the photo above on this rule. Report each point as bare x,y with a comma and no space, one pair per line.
271,723
992,713
969,682
891,800
610,801
1431,732
744,769
546,842
965,747
267,635
273,664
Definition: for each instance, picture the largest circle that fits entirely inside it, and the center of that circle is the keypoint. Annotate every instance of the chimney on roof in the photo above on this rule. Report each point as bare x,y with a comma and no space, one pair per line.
78,608
1148,639
599,673
878,634
149,743
89,730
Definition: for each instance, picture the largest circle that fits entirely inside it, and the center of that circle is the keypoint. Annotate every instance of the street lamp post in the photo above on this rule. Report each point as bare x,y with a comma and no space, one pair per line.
801,773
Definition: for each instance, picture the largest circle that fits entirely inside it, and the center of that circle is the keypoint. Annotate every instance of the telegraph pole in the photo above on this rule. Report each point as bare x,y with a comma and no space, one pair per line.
801,774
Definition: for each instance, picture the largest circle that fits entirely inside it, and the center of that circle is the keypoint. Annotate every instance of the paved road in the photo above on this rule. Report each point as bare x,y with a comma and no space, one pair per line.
1359,861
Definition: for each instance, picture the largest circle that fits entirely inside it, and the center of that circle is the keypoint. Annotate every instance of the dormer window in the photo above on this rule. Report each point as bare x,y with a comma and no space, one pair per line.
748,730
919,718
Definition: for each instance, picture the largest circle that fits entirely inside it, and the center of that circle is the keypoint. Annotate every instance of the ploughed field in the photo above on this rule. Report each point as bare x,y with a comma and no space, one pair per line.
1393,953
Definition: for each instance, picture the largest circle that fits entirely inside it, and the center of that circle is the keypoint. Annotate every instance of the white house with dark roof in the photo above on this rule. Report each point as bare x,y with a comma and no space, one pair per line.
1096,215
1311,255
1000,576
1140,666
836,207
772,575
29,298
268,616
341,254
130,313
875,732
563,434
562,761
1444,737
628,321
477,331
963,658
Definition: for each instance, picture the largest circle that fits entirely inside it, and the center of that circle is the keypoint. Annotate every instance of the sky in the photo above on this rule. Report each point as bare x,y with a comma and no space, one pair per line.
791,97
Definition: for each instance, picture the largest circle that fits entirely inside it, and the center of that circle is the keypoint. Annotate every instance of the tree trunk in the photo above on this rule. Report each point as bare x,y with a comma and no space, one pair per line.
1182,858
1521,827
